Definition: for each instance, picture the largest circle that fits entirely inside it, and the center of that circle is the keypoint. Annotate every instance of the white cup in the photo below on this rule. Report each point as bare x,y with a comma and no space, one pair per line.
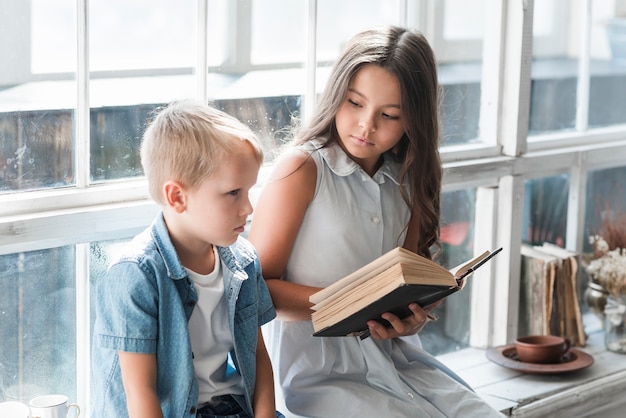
51,406
12,409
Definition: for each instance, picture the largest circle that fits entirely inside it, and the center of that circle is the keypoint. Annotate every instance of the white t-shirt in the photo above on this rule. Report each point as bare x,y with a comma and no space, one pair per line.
210,335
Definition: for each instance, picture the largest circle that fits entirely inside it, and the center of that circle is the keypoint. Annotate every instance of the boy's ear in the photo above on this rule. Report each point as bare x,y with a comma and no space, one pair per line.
175,196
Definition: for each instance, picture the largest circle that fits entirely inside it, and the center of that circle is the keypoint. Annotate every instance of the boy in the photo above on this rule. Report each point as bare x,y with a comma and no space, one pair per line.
177,331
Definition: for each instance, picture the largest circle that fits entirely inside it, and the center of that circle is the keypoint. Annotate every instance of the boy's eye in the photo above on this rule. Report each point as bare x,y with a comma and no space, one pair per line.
234,192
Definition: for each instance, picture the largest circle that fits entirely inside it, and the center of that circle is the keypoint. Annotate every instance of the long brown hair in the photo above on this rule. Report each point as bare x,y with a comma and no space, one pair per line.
408,55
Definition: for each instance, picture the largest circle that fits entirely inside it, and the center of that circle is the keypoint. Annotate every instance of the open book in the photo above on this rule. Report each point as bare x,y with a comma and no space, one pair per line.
388,284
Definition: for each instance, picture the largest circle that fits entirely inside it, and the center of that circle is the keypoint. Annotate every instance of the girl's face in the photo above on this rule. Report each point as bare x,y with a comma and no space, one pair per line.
370,119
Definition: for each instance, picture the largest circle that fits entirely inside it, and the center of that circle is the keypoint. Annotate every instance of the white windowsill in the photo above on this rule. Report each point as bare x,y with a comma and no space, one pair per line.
588,392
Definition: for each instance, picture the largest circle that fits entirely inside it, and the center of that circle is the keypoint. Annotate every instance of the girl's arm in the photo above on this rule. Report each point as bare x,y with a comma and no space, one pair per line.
264,404
277,219
411,324
139,373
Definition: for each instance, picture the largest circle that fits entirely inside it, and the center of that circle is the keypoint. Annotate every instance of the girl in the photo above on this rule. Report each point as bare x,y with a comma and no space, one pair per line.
363,177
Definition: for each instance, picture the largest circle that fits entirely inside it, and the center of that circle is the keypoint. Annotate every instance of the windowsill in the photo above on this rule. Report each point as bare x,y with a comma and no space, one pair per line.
598,387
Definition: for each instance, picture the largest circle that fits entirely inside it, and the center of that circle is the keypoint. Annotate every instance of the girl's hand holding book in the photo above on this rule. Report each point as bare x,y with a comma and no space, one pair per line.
410,325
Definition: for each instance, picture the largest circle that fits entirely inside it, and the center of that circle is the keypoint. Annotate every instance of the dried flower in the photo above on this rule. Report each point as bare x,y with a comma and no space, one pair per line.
613,228
608,266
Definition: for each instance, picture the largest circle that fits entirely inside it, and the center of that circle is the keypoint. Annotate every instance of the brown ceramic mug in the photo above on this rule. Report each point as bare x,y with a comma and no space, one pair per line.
542,349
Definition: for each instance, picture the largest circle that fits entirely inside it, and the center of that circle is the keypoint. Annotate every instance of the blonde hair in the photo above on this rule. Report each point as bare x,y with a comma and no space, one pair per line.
186,141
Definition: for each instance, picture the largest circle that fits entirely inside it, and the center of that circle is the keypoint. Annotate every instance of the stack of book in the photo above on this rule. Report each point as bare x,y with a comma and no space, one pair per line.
549,303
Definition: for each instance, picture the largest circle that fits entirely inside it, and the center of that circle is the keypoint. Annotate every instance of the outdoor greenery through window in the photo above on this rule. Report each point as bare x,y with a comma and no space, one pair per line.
533,141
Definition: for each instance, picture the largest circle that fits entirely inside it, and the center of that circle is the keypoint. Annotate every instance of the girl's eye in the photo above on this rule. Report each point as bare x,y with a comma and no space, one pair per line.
391,117
234,192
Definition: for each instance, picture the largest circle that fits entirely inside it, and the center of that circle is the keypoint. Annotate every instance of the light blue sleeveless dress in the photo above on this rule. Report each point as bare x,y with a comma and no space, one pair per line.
353,219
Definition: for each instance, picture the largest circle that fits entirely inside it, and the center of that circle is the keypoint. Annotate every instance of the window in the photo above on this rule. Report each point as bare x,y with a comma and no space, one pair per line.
527,133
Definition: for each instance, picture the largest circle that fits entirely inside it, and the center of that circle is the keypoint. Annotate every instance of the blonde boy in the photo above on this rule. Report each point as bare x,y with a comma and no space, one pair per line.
177,330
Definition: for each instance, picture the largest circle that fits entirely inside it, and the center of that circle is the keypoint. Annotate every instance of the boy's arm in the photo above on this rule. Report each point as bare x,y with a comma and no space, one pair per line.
264,404
139,372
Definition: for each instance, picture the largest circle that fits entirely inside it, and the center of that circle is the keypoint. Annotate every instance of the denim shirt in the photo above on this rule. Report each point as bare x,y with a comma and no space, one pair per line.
143,304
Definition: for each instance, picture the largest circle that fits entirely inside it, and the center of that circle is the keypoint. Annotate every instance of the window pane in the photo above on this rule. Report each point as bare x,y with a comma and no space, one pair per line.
36,117
36,149
457,40
606,197
116,133
554,70
557,49
146,36
451,331
271,21
53,36
141,34
607,87
37,324
463,19
545,210
269,118
339,21
544,221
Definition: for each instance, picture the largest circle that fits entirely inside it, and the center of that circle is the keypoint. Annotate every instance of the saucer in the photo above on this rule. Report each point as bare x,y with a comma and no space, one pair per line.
506,356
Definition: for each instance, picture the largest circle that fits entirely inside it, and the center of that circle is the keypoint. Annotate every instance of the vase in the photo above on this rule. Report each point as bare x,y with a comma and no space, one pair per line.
595,298
615,323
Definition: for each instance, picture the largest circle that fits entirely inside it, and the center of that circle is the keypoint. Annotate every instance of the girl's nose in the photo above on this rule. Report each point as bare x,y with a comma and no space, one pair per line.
367,123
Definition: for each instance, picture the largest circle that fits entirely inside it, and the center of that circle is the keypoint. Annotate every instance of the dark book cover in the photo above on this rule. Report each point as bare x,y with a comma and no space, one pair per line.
396,302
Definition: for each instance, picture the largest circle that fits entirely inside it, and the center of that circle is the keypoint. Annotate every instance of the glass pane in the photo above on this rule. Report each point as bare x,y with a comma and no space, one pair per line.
459,33
53,34
219,18
544,221
139,40
271,21
116,133
36,117
545,210
38,324
557,49
339,21
141,34
554,75
460,106
607,87
269,118
463,19
605,214
606,197
36,149
451,331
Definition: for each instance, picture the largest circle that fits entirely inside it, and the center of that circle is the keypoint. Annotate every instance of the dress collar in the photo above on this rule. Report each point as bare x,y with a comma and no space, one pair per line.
342,165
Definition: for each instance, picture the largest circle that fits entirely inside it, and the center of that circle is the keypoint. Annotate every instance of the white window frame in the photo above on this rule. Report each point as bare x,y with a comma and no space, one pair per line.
497,168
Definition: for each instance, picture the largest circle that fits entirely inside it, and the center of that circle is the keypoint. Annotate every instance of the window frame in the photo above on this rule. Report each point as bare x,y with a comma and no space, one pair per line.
497,167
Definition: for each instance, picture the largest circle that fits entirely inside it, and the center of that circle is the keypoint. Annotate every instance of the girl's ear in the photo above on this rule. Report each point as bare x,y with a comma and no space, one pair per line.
175,196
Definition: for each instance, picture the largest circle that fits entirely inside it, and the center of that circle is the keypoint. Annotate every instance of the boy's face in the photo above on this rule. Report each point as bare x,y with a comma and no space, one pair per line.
217,210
